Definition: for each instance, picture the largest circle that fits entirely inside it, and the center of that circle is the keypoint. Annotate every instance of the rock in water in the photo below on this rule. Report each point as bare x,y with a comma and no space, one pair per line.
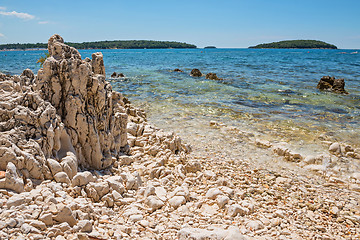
332,84
195,73
212,76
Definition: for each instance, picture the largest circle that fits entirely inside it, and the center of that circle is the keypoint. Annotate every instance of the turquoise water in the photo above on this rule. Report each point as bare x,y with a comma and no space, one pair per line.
272,91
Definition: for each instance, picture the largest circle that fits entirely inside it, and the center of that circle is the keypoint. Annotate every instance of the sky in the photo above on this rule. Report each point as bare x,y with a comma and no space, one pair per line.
222,23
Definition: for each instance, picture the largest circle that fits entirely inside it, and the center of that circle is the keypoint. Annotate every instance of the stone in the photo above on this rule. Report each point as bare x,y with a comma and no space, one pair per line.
154,203
46,218
195,73
116,183
214,233
335,148
65,214
254,225
235,209
82,179
331,84
62,177
117,75
192,167
212,76
38,224
222,200
16,200
212,193
177,201
54,166
177,70
84,226
12,179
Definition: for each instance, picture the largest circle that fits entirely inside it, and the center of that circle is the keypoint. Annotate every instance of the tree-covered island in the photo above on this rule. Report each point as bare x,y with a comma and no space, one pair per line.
303,44
117,44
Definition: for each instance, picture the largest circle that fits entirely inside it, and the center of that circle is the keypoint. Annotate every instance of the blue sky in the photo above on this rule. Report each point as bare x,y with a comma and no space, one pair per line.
222,23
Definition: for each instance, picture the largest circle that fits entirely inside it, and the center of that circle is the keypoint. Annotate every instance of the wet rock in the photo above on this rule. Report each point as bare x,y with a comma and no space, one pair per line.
332,84
117,75
177,70
195,73
212,76
335,148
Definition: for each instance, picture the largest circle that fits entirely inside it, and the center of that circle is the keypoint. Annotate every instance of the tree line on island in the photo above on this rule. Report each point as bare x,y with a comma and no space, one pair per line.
117,44
303,44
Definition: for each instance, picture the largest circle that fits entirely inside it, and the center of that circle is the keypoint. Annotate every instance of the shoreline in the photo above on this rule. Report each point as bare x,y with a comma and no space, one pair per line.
98,168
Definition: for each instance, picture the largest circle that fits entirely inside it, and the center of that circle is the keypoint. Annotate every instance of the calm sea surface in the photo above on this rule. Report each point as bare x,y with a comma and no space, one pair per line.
271,92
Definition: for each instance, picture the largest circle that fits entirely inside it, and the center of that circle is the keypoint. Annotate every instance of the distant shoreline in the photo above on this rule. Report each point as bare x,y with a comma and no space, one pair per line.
297,44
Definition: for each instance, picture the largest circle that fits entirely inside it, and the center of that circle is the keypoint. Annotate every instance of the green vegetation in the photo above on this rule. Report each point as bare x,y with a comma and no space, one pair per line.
210,47
43,58
130,44
307,44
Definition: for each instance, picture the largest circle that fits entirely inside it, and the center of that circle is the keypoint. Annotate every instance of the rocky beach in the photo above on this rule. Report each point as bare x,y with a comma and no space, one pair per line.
79,161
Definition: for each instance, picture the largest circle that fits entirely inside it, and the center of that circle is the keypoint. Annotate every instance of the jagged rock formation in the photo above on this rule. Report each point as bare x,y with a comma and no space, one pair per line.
67,117
331,84
93,114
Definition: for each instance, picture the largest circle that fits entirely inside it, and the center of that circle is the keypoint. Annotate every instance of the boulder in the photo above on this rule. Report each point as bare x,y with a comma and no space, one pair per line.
117,75
331,84
178,70
12,179
212,76
195,73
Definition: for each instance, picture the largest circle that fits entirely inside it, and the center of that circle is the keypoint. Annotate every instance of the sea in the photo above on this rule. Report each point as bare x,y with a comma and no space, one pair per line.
270,93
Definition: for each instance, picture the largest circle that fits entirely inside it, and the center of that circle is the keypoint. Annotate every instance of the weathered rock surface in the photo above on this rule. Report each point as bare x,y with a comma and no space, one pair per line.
332,84
117,75
195,73
212,76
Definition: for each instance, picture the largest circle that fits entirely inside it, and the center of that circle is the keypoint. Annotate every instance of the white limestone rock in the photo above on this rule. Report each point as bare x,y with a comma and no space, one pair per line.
212,193
12,179
82,178
215,233
177,201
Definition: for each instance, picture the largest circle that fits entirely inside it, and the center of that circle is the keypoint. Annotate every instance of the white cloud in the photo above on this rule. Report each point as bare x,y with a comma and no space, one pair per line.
2,8
43,22
2,35
25,16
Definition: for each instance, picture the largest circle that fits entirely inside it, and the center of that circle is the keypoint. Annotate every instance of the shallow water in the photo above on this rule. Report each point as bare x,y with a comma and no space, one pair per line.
271,92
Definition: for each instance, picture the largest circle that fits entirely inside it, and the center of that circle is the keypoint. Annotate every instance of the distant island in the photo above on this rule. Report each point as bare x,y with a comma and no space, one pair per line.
303,44
117,44
210,47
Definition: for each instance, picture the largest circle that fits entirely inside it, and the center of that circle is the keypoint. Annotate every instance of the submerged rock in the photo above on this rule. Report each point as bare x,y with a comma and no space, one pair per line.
332,84
117,75
195,73
212,76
